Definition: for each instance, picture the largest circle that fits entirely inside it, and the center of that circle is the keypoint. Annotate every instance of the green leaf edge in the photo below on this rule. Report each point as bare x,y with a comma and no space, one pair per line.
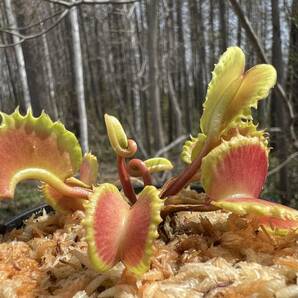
224,59
246,123
187,148
158,164
279,231
116,133
44,126
90,208
263,92
268,209
50,200
156,205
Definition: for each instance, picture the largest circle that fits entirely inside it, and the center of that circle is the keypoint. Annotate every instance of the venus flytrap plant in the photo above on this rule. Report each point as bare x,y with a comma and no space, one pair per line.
127,148
233,175
89,169
116,230
37,148
88,172
231,95
229,156
144,169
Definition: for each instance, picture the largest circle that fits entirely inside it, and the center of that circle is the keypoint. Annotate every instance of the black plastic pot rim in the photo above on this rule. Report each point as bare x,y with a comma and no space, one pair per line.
18,221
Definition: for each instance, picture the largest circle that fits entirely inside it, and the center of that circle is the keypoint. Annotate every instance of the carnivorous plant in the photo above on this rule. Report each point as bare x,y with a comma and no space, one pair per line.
229,156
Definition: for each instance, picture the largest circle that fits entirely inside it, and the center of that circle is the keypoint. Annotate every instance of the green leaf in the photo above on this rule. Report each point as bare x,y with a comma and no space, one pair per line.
198,146
226,79
192,148
116,133
246,128
158,164
232,93
187,150
258,207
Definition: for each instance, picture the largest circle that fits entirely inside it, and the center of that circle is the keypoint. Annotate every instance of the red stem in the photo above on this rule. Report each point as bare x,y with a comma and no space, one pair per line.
125,181
130,151
178,183
137,168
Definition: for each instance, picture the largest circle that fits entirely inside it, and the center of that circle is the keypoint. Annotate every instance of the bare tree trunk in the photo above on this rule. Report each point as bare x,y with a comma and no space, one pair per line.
202,49
239,27
175,114
145,103
292,76
194,39
101,64
79,78
32,52
12,22
50,76
249,31
211,39
154,74
94,98
183,78
277,107
263,58
10,74
223,26
135,66
175,104
264,105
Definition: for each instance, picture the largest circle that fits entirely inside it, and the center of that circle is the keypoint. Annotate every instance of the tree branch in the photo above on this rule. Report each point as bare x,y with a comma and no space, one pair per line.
67,5
79,2
31,36
171,145
284,163
32,25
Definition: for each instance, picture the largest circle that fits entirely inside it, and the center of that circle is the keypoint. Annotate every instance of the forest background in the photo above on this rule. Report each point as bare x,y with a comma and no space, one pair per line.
147,62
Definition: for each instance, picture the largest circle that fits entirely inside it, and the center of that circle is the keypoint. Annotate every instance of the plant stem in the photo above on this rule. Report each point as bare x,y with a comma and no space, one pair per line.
125,181
130,151
137,168
178,183
51,179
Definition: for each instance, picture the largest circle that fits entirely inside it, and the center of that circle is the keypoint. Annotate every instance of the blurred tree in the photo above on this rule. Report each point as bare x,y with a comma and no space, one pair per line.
183,88
154,74
12,23
292,76
50,75
149,63
79,77
223,26
278,112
